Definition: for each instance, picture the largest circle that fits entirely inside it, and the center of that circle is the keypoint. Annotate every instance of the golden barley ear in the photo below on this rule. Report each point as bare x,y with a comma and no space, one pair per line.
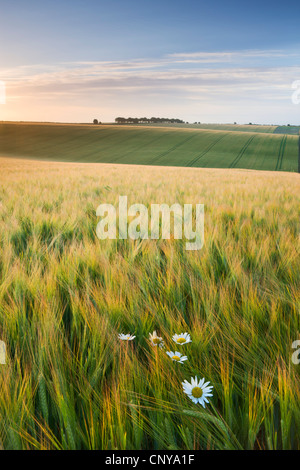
2,353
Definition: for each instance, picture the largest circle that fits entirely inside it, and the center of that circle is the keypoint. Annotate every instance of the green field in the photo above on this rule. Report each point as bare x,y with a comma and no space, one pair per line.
289,130
146,145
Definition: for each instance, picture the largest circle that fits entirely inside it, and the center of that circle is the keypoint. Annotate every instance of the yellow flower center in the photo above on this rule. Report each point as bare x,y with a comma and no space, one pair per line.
156,340
176,358
181,340
197,392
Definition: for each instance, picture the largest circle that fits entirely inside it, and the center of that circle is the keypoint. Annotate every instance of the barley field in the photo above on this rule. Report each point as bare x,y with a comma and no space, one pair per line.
147,145
65,295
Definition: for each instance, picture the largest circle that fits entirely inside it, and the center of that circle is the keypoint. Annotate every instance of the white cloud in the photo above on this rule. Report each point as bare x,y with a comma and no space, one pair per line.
218,79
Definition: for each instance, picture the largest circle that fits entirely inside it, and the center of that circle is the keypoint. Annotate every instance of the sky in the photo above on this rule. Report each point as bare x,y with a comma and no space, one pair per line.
217,61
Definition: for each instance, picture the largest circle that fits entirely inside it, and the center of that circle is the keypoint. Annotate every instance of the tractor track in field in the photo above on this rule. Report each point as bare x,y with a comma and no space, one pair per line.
65,141
163,154
242,151
191,163
65,138
96,151
281,153
141,146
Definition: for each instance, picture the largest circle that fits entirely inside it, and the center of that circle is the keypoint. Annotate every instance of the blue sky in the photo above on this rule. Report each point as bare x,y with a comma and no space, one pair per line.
200,61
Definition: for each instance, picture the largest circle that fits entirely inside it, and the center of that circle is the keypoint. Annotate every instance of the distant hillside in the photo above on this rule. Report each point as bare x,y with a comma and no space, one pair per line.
289,130
162,146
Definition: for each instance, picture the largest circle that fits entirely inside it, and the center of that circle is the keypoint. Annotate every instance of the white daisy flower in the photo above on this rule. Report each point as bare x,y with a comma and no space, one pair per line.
197,391
177,356
128,337
156,340
183,338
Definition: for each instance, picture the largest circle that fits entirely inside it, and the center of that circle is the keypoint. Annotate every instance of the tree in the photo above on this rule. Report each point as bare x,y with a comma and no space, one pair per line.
95,121
133,120
120,120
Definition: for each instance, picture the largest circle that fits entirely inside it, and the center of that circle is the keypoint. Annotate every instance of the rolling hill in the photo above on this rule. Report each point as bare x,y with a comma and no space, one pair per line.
146,145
